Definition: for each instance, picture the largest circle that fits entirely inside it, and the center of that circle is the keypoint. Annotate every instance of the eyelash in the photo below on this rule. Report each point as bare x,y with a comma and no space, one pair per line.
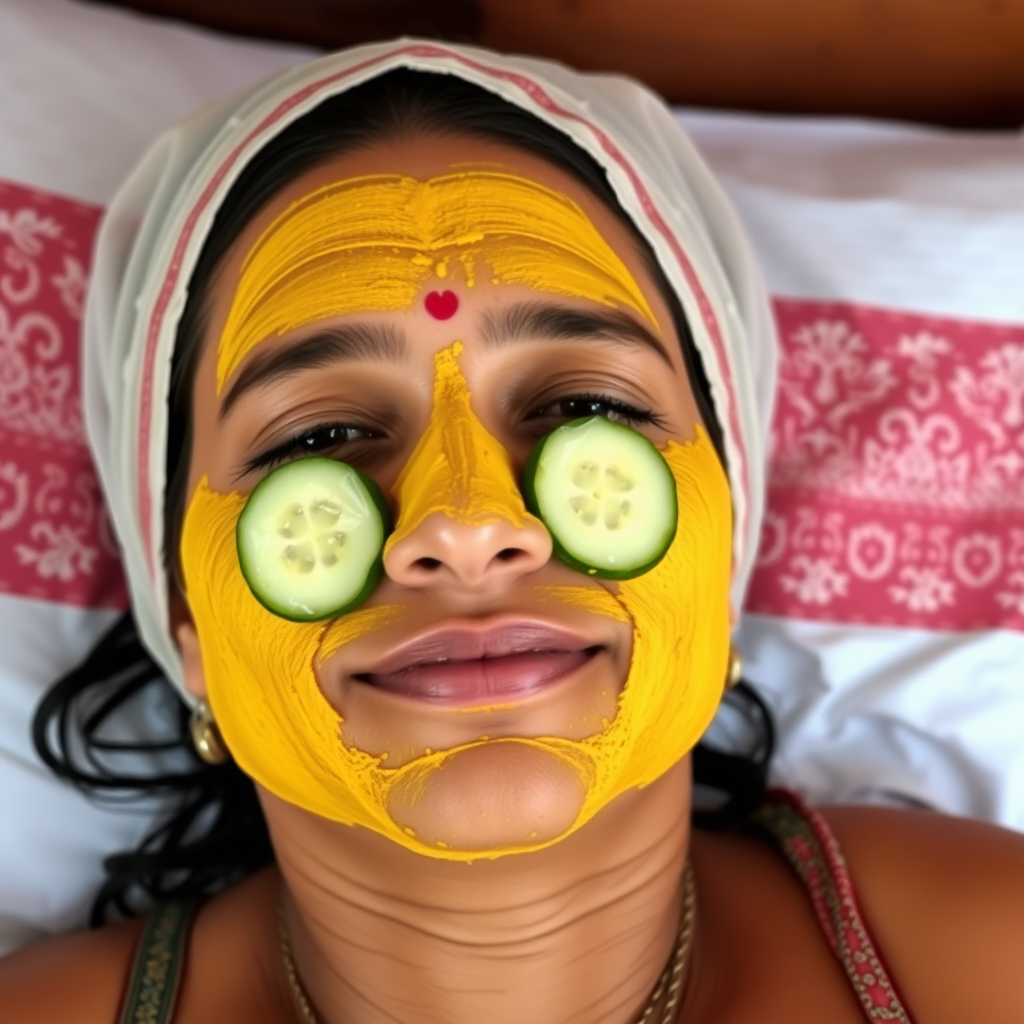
327,432
629,414
299,443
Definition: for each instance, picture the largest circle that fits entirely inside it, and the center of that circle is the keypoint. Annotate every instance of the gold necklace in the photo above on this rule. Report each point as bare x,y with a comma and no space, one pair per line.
670,981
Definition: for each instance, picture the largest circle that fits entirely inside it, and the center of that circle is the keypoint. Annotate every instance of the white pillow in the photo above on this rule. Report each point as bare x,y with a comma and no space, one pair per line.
886,618
850,220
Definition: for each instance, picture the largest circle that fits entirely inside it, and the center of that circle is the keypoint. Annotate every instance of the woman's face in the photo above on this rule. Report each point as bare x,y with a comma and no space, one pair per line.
474,704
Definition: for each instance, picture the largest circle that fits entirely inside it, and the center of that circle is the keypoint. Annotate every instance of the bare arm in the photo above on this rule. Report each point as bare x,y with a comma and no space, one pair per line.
944,898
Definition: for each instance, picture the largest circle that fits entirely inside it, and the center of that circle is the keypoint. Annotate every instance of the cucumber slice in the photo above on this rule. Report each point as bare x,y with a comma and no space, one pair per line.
310,539
606,495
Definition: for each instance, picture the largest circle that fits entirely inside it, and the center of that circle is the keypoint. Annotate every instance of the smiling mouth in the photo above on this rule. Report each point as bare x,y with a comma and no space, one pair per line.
465,667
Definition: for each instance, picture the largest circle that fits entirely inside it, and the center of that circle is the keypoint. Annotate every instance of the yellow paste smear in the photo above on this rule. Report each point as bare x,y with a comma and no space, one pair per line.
457,469
260,669
372,243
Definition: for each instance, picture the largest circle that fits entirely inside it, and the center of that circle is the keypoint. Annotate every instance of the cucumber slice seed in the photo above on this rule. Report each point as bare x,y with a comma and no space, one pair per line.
310,538
606,494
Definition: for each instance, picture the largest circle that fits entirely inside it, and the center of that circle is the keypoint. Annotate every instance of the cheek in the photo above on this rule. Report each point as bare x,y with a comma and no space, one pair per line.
499,795
681,608
258,666
680,614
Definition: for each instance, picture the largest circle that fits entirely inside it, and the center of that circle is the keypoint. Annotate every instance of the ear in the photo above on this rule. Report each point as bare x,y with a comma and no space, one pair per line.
185,634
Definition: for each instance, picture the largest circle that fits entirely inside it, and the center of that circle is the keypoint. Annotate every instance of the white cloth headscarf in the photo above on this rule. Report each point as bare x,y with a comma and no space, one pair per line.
157,224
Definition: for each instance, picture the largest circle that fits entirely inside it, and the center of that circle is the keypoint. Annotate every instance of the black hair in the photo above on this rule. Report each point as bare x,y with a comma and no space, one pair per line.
213,831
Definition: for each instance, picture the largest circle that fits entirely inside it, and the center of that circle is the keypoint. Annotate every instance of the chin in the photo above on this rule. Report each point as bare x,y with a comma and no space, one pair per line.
501,796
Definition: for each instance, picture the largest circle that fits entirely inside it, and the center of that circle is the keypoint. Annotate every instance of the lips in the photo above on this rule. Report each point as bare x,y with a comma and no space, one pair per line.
466,666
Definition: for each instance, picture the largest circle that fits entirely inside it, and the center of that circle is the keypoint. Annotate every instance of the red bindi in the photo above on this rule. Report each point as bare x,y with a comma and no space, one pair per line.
441,305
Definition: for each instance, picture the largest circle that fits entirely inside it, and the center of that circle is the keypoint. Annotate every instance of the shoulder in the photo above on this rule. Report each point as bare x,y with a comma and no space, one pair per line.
231,967
231,970
942,897
76,977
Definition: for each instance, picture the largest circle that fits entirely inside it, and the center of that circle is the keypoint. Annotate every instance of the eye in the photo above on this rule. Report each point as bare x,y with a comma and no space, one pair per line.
574,407
320,440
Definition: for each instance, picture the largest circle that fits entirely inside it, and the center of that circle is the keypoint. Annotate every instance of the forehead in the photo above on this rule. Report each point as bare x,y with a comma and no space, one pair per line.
424,157
234,292
326,247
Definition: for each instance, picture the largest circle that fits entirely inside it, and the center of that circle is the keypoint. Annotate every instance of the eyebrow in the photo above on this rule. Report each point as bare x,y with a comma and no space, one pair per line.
527,321
376,342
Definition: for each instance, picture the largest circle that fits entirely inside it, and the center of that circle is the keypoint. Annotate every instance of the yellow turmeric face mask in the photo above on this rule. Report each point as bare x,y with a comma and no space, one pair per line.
372,243
261,670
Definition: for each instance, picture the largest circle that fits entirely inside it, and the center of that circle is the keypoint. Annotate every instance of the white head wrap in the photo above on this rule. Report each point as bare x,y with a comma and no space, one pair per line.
157,224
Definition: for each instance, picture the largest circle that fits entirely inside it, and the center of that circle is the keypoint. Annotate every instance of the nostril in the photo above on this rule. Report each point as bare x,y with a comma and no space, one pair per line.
508,554
430,564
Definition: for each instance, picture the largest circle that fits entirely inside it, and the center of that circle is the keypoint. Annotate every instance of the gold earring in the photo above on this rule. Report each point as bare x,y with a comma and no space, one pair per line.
206,737
734,673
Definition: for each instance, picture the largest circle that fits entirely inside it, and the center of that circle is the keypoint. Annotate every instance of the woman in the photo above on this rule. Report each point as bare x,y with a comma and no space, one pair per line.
462,418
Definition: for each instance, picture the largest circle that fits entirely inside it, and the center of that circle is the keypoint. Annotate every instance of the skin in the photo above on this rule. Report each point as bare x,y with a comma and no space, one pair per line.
578,931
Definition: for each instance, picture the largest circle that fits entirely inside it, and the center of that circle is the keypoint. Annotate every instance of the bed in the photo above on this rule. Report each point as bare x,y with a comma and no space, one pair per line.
885,623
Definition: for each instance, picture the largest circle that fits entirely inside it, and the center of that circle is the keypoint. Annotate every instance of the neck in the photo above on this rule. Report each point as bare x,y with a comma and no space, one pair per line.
574,934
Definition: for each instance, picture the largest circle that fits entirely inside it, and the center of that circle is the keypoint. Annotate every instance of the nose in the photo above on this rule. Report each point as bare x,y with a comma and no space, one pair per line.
447,553
462,521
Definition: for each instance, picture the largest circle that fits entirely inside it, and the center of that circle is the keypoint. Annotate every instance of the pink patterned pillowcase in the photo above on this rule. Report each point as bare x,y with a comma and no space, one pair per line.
897,474
55,537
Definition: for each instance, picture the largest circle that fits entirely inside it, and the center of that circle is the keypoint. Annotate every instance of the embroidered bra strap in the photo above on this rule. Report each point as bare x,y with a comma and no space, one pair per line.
156,970
807,842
